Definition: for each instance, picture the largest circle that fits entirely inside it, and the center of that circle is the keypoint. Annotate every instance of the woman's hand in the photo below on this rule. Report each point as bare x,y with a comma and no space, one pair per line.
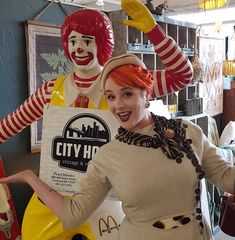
142,18
23,176
51,198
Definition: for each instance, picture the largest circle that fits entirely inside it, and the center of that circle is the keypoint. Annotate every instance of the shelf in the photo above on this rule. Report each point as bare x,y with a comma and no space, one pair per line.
141,48
193,117
149,49
175,22
140,52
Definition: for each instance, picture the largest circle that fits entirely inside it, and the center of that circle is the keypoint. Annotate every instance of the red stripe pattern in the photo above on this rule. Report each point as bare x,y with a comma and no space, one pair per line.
178,72
28,112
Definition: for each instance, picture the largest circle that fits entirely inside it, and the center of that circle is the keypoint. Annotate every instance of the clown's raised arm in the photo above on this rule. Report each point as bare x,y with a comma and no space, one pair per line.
178,72
87,38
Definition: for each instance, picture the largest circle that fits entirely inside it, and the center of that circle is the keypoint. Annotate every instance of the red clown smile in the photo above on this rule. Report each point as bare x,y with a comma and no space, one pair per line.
82,60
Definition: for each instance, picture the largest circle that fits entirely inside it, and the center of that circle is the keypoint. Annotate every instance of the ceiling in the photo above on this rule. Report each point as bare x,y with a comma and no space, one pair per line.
175,7
187,6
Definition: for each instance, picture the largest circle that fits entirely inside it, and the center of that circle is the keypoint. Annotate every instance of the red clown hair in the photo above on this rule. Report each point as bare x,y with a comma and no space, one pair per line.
132,76
94,23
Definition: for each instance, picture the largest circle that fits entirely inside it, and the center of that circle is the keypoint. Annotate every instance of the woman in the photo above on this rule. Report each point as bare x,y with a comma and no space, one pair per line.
154,164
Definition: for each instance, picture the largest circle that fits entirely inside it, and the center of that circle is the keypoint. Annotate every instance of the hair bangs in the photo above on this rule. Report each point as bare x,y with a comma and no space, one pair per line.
132,76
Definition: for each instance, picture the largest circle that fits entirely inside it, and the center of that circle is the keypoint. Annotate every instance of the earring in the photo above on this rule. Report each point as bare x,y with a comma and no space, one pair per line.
147,104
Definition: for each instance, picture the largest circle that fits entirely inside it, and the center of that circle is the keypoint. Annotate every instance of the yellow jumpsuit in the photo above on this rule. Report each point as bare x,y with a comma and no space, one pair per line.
39,222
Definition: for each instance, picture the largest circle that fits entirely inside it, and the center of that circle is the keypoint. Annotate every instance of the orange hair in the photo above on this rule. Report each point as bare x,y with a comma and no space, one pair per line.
132,76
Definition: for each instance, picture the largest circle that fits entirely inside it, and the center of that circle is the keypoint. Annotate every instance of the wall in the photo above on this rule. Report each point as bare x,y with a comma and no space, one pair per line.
14,85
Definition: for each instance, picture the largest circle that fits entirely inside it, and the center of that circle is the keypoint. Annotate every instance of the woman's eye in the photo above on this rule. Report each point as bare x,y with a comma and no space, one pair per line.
127,94
110,98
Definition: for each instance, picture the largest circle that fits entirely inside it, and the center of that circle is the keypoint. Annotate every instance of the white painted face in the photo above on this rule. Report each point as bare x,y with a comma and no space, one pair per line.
128,105
82,50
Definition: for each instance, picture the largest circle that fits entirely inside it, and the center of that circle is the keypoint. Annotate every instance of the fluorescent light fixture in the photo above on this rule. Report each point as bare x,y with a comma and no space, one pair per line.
99,2
205,17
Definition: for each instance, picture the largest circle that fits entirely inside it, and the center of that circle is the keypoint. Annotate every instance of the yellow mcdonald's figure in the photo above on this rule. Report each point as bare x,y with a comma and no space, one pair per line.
82,35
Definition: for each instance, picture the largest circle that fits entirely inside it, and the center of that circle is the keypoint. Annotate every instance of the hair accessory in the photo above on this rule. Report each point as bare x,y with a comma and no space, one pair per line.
116,62
147,104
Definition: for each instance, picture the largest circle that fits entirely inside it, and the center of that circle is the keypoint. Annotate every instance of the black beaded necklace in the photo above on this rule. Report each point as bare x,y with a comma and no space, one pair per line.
170,136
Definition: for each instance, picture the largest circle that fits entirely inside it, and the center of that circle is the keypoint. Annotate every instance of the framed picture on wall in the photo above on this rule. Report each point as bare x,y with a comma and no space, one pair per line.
211,90
46,61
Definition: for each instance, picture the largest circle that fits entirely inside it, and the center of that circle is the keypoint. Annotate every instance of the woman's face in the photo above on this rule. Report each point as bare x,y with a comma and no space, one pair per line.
128,105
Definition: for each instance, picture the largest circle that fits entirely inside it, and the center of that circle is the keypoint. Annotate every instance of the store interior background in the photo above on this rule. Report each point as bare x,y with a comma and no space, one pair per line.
16,152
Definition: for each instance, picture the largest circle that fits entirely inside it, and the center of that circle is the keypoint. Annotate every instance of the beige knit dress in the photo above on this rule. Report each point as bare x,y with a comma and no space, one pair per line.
151,186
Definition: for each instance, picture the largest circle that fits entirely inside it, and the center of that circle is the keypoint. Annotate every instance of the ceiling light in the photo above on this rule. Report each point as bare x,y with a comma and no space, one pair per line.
99,2
211,4
218,26
207,17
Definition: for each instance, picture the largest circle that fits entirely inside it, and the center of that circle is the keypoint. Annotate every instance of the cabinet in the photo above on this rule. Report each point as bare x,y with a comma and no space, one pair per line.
185,36
228,106
228,101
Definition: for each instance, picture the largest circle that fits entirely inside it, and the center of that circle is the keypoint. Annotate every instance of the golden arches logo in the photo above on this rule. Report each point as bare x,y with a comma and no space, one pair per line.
107,227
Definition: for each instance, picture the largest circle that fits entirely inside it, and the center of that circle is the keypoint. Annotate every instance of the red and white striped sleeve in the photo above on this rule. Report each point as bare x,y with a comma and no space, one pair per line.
178,72
28,112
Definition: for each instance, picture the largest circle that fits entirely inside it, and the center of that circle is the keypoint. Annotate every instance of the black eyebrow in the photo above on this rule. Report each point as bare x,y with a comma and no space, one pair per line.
107,91
122,89
72,37
126,88
87,37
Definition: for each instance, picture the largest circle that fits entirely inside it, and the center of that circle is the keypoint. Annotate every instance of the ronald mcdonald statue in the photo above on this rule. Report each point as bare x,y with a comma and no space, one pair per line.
88,42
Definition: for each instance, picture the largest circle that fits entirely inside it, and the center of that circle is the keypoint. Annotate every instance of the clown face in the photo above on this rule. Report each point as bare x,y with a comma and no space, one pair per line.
83,51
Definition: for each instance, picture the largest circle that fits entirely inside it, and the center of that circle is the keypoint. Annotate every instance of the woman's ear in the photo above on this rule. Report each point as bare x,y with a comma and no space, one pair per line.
147,96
